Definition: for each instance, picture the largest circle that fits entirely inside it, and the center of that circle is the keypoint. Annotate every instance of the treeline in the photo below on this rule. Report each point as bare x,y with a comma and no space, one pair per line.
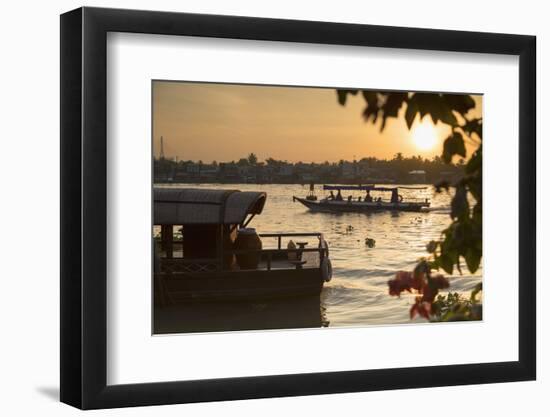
399,169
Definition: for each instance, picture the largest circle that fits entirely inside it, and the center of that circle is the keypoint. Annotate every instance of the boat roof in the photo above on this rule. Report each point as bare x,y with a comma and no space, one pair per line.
348,187
370,187
203,206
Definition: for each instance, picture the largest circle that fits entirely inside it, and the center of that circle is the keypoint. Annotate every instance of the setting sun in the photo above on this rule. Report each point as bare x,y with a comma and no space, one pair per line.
424,135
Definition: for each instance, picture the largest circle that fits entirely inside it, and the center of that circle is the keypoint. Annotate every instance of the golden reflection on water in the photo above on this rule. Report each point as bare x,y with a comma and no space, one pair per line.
358,293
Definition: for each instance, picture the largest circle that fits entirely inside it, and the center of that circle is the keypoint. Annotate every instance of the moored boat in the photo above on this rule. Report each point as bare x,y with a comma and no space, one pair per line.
208,261
368,203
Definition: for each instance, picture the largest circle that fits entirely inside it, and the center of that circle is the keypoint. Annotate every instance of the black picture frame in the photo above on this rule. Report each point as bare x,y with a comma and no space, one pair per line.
84,207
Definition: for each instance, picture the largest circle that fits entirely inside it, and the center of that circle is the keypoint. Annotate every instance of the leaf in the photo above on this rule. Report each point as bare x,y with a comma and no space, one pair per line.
391,107
371,98
473,259
343,95
474,126
460,103
459,205
432,246
443,184
474,164
477,289
453,145
410,114
447,116
371,109
393,103
436,106
446,262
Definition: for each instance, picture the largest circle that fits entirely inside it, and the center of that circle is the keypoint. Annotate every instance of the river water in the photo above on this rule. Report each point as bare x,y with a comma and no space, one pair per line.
358,292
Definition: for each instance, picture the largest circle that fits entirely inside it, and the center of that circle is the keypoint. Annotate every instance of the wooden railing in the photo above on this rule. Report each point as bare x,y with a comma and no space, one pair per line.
269,255
279,236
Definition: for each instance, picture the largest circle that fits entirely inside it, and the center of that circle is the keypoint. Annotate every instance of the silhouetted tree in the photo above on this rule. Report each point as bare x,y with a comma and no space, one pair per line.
252,159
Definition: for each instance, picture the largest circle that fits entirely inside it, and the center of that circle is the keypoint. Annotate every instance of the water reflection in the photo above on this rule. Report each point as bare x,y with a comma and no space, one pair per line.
291,313
358,292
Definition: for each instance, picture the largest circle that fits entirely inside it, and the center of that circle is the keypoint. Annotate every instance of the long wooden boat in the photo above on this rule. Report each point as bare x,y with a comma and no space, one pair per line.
339,204
202,264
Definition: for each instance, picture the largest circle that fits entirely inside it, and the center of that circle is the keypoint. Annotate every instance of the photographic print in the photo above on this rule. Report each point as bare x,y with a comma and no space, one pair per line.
278,207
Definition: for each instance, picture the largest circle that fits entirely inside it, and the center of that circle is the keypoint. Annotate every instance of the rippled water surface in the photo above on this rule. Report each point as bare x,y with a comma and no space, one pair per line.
358,292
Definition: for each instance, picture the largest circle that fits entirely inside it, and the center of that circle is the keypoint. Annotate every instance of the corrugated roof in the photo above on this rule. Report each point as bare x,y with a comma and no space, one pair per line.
202,206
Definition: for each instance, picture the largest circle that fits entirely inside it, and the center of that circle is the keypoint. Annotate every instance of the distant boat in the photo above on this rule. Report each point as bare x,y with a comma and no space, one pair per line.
339,204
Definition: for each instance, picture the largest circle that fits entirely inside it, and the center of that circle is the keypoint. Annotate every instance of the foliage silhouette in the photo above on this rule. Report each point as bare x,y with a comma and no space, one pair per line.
462,239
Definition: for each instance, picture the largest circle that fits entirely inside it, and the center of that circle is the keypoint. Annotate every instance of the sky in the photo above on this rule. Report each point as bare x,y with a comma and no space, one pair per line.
225,122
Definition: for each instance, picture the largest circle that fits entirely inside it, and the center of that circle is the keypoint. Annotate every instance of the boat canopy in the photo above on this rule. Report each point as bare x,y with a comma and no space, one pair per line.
349,187
200,206
370,187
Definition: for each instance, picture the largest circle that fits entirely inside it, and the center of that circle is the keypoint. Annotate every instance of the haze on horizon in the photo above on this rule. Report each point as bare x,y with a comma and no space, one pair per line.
225,122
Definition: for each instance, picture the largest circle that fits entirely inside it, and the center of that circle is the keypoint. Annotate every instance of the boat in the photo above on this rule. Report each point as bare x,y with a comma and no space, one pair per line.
368,203
200,262
311,194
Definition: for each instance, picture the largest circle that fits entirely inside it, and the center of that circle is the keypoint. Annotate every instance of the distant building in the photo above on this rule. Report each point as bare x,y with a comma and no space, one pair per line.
417,176
209,172
229,172
286,170
193,168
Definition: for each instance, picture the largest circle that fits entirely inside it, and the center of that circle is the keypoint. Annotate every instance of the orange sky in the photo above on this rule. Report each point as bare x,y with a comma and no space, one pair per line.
224,122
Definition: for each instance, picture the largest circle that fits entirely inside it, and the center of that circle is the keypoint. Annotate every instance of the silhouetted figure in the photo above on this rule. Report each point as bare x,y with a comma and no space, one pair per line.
394,196
339,196
368,197
331,196
349,199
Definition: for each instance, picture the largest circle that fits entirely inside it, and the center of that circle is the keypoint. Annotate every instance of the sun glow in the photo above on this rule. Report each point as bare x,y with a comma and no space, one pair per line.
424,135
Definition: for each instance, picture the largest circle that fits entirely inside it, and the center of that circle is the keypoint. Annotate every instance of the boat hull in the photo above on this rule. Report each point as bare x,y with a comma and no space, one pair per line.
359,207
246,285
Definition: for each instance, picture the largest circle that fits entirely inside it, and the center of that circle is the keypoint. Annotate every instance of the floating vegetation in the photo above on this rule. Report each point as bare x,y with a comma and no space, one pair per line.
371,243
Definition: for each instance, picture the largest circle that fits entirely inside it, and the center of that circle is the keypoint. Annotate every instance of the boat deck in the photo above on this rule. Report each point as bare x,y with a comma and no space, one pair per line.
312,260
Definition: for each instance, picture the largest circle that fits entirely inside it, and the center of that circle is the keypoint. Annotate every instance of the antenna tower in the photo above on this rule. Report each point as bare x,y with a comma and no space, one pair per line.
161,156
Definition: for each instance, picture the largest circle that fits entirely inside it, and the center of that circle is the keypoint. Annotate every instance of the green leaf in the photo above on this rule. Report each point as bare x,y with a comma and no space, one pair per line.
459,205
477,289
446,262
473,259
474,164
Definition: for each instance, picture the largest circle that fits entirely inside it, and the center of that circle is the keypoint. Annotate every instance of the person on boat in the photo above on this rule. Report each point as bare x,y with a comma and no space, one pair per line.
394,196
368,197
349,198
331,196
339,196
359,199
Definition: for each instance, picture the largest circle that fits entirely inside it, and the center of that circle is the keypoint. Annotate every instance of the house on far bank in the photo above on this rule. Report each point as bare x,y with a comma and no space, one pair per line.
229,173
417,176
208,172
285,173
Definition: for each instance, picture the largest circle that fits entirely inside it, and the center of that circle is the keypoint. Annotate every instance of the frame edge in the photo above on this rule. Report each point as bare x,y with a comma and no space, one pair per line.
70,208
83,198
